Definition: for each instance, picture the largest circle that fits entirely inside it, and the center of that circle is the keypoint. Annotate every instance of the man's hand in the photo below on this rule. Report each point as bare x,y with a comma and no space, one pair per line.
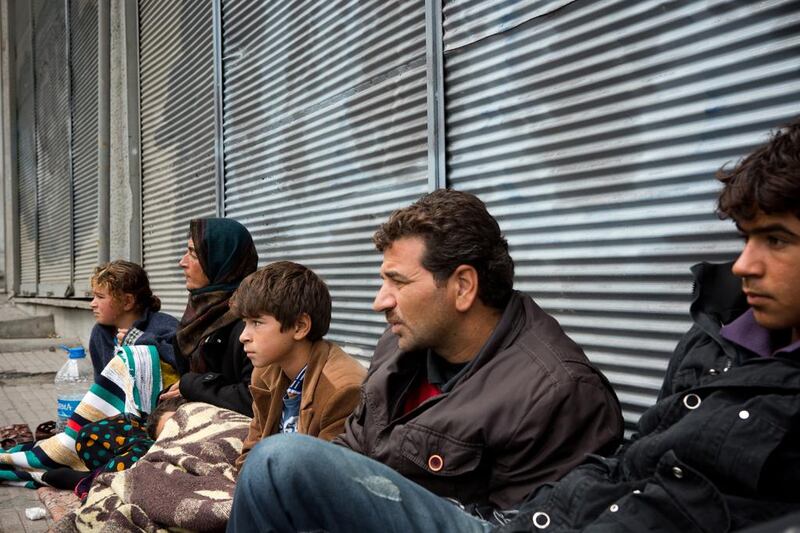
173,392
121,335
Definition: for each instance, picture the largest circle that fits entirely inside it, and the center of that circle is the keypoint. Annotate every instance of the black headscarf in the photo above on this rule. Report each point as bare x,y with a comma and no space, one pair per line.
227,255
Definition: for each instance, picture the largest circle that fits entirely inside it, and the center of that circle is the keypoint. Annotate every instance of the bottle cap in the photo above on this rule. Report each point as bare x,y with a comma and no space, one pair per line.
75,353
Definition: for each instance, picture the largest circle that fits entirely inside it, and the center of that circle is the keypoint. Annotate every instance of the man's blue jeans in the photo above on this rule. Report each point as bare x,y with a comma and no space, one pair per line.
299,483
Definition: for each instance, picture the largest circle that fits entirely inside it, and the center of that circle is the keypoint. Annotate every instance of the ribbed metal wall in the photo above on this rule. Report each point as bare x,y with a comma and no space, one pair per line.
593,133
84,80
52,148
177,135
467,21
324,135
26,149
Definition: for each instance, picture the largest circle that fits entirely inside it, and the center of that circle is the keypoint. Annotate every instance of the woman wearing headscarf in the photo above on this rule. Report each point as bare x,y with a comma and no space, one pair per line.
213,365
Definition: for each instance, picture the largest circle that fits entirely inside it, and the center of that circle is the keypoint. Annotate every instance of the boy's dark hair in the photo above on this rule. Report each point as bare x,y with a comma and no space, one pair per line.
165,406
285,290
767,180
457,230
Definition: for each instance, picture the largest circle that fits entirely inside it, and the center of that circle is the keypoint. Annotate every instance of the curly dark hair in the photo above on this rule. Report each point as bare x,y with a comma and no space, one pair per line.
285,290
767,180
123,277
457,230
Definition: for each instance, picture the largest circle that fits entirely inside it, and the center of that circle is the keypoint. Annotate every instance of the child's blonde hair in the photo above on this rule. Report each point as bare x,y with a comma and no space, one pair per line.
123,277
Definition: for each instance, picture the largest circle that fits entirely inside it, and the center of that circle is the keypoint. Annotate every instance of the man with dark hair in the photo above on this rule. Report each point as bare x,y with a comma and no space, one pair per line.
474,397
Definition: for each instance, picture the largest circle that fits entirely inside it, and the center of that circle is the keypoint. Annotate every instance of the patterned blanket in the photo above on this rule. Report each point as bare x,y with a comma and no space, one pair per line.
130,383
185,481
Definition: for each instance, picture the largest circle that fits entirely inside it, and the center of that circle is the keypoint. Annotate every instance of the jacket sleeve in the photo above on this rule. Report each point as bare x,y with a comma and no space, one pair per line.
353,435
563,425
231,391
95,351
353,428
253,437
160,334
337,410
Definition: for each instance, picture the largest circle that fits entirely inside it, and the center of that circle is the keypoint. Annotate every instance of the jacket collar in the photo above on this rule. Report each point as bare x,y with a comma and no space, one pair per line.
272,379
717,299
505,332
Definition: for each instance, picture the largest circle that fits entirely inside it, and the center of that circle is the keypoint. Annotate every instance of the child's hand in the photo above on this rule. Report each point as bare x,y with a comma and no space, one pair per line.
173,392
121,334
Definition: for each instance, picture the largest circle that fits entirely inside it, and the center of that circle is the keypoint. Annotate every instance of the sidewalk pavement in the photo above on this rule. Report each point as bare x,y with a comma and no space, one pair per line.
27,395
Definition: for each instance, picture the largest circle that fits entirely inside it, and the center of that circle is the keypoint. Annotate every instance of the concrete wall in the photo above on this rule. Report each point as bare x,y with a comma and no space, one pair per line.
72,318
125,185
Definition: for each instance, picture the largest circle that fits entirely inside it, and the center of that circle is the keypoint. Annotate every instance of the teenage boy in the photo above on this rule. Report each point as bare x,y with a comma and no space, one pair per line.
720,450
301,383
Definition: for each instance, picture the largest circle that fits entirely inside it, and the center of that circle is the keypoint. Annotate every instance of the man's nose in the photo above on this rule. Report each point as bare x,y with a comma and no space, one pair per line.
384,300
749,264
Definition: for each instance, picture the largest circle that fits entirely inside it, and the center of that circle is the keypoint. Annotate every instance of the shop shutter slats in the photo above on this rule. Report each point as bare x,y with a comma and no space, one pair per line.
324,135
52,149
593,131
177,132
84,78
26,151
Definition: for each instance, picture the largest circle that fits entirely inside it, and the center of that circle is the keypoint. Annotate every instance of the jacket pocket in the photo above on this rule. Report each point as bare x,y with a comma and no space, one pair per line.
439,454
752,437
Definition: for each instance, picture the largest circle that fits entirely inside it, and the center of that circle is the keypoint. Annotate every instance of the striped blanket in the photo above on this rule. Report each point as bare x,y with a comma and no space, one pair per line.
185,482
130,383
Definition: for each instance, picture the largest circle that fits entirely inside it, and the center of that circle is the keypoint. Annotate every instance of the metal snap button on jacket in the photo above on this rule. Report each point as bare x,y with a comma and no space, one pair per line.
677,472
541,520
435,462
744,414
692,401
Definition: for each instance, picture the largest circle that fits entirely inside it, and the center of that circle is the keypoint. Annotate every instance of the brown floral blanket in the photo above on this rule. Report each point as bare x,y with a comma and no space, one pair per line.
184,482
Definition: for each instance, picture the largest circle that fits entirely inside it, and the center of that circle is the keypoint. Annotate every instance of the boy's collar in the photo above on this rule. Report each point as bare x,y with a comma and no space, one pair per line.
749,334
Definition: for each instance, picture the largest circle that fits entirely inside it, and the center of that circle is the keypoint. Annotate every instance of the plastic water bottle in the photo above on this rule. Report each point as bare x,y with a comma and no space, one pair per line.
72,382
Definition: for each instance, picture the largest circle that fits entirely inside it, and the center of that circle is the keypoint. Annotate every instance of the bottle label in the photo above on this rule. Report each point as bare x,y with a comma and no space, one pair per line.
66,407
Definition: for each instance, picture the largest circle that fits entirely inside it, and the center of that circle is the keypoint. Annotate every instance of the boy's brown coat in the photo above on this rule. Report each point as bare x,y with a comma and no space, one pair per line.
331,390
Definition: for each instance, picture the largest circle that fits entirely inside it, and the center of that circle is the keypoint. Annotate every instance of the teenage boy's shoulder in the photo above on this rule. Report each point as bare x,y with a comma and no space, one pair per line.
340,369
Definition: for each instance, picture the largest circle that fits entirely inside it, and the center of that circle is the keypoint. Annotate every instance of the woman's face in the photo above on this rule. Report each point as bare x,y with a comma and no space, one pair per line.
195,277
106,309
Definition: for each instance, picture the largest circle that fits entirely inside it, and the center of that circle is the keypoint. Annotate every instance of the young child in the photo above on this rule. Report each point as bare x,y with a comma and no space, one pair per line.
127,313
301,383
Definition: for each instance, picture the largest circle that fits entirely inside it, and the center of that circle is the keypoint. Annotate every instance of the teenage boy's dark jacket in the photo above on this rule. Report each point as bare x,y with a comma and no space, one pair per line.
153,328
720,450
525,411
226,383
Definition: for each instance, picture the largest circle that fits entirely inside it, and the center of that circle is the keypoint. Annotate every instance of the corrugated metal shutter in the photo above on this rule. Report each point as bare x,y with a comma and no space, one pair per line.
26,150
84,80
177,132
593,133
324,135
52,148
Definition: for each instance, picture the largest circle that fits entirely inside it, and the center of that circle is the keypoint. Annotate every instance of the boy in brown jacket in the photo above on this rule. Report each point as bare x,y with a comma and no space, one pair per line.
300,383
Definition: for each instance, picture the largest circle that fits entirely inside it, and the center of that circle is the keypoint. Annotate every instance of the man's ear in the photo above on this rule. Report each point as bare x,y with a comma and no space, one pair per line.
128,301
465,284
302,327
